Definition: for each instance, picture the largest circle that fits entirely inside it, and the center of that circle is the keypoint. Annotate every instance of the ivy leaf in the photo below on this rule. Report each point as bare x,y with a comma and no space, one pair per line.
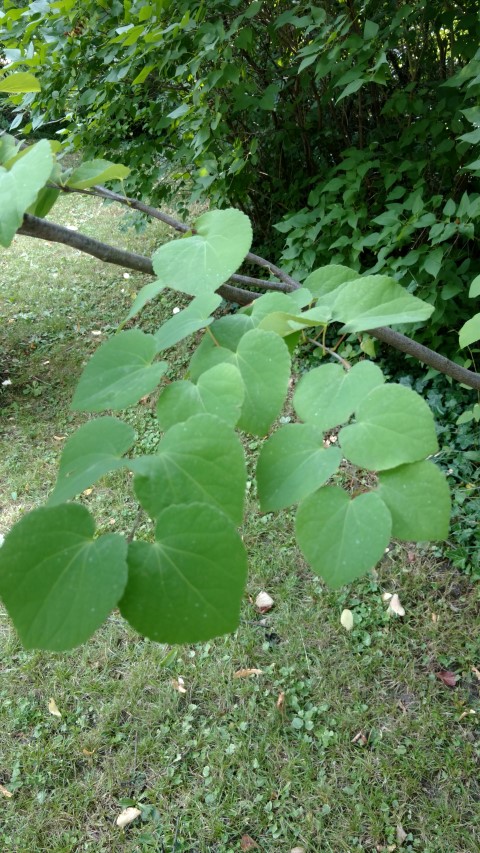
20,186
377,300
328,395
92,451
194,317
264,364
96,172
206,260
292,464
218,391
58,583
119,373
341,538
393,426
187,586
191,467
470,331
418,498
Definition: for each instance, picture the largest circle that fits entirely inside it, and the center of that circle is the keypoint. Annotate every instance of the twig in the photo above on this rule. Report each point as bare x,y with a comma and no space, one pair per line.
331,352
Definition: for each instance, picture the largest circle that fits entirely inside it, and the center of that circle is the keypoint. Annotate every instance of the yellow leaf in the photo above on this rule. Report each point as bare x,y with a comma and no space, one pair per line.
5,792
244,673
52,707
126,817
179,684
346,619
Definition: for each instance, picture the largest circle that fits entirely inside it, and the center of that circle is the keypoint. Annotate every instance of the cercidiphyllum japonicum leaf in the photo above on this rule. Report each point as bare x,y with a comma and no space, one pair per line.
393,426
93,450
200,460
270,302
342,538
418,498
57,582
377,300
96,172
292,464
328,395
326,282
285,324
187,586
474,289
194,317
264,364
119,373
219,391
208,258
470,331
18,83
20,186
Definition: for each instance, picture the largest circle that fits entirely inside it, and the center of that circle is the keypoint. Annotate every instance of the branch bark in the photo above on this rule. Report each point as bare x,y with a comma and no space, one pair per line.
45,230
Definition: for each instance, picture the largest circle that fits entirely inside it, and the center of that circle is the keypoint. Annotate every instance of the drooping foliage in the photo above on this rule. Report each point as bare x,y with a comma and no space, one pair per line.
351,127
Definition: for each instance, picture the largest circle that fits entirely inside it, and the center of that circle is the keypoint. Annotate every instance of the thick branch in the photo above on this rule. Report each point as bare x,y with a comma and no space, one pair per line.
45,230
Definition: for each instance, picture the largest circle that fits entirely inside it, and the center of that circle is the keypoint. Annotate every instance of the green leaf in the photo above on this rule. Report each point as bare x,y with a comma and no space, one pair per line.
418,498
199,460
352,87
377,300
475,287
20,186
187,587
93,450
328,395
393,426
119,373
19,83
328,281
370,30
292,464
146,294
219,391
264,364
58,583
44,202
206,260
470,331
341,538
193,318
270,302
433,262
94,172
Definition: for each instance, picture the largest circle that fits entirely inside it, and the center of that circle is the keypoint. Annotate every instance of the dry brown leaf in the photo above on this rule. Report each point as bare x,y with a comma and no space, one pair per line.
88,752
244,673
59,437
395,605
247,843
401,834
281,701
264,602
5,792
346,619
53,708
476,672
466,714
87,492
434,617
126,817
410,556
449,678
360,738
179,684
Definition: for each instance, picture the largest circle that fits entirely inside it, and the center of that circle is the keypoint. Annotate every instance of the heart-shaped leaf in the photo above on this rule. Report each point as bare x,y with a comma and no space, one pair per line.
207,259
119,373
92,451
194,317
377,300
20,186
218,391
58,583
191,467
418,498
292,464
393,426
18,83
96,172
328,395
264,364
470,331
342,538
188,585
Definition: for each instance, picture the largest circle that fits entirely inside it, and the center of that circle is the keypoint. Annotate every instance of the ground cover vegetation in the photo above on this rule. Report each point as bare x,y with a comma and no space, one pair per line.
239,375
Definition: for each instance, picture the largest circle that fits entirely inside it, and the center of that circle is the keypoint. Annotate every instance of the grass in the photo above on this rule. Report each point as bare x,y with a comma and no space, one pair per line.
344,743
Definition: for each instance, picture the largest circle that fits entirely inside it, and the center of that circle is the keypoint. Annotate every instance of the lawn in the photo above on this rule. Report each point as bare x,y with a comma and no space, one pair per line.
341,743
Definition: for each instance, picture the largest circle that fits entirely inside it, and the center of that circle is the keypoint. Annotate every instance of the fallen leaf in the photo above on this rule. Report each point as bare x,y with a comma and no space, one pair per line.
126,817
476,672
281,701
410,556
466,714
401,834
449,678
297,850
96,332
244,673
179,684
59,437
395,606
88,752
247,843
346,619
87,492
264,602
5,792
386,596
360,738
53,708
434,617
